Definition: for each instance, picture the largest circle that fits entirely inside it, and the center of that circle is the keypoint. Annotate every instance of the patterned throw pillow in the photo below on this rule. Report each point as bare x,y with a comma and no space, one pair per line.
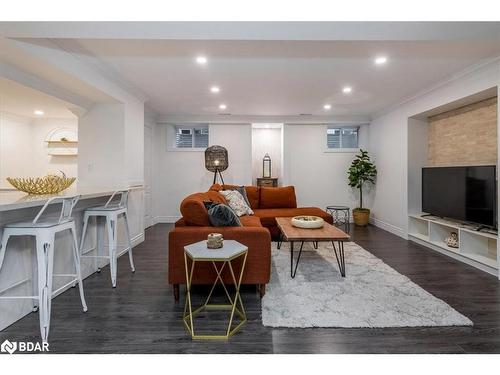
243,192
237,202
221,215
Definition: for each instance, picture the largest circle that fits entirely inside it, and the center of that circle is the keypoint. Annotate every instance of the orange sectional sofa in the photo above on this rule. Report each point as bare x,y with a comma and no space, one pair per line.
256,232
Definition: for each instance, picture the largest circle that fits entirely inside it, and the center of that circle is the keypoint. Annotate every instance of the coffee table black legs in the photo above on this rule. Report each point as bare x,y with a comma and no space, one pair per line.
280,241
340,257
293,270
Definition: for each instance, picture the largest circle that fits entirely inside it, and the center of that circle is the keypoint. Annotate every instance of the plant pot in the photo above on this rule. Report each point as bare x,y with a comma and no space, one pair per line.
361,216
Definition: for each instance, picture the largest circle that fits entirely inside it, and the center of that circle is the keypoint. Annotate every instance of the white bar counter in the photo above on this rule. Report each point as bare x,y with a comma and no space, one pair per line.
18,267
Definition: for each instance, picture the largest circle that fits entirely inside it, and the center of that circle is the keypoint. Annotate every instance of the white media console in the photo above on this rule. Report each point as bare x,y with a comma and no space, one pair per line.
478,249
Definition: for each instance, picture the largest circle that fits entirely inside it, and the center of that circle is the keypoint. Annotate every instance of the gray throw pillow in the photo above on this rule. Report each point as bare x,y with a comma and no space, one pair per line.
221,215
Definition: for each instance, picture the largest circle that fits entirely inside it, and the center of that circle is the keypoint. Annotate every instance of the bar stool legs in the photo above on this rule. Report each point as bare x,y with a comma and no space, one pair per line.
45,260
44,232
112,244
127,231
76,257
109,222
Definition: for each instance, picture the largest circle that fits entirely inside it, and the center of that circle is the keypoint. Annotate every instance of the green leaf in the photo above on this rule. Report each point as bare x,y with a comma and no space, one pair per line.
361,170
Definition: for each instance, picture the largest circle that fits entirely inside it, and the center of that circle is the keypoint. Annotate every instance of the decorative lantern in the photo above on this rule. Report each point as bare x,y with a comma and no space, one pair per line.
266,166
216,160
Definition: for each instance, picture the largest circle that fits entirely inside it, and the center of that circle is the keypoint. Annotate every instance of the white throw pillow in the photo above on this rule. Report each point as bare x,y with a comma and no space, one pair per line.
237,202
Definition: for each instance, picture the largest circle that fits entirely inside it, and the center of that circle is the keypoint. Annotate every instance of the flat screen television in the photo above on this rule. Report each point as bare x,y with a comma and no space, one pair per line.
462,193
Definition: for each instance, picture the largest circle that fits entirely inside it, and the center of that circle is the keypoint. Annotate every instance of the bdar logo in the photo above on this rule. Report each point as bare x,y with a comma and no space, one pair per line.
8,347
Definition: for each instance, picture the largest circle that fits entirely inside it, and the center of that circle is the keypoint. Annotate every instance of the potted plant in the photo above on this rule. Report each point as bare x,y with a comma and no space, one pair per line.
361,171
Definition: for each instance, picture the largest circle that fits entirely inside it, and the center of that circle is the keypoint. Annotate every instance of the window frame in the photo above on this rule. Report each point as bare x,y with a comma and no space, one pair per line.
341,128
192,128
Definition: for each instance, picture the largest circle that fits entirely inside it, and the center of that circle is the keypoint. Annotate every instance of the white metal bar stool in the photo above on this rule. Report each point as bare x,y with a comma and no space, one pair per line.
115,207
44,230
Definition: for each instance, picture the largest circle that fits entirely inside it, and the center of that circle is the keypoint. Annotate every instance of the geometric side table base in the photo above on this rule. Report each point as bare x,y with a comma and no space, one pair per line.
199,253
341,215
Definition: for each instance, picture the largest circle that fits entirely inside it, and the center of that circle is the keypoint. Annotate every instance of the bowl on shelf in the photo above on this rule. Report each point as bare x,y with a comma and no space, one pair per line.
50,184
308,222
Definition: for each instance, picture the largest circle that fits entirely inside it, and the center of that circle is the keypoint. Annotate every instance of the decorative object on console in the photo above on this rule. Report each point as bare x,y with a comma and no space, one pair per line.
269,182
452,240
50,184
236,202
361,171
266,166
216,160
307,222
215,241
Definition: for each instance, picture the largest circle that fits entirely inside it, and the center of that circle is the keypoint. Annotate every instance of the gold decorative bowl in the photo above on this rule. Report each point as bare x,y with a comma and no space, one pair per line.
50,184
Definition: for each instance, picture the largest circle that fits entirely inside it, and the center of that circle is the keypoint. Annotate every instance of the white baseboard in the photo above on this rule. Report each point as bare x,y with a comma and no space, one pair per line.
165,219
388,227
136,240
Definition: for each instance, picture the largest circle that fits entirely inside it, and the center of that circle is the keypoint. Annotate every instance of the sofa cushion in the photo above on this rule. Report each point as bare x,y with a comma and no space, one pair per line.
277,197
253,195
215,187
193,209
268,215
250,221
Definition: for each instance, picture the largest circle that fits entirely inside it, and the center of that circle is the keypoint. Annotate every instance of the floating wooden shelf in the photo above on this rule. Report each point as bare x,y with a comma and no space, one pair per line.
61,153
62,142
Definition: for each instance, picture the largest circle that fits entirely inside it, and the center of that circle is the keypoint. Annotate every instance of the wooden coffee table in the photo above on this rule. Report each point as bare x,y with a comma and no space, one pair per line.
327,233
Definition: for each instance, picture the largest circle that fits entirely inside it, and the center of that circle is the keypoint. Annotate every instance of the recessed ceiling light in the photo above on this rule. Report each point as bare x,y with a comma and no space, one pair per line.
215,89
202,60
222,106
347,89
327,107
38,112
380,60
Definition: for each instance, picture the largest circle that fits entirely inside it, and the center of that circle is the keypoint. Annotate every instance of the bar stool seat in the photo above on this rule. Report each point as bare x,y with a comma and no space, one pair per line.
107,208
39,224
44,230
110,212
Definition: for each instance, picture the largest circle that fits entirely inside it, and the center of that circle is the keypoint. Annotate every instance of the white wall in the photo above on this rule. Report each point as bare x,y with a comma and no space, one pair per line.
267,141
319,176
15,140
24,152
101,136
389,138
181,172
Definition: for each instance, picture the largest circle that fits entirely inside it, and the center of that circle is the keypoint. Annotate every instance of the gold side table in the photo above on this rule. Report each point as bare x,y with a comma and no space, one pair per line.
198,252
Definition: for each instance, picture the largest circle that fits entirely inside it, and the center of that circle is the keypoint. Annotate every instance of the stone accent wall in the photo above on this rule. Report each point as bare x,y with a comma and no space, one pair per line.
464,136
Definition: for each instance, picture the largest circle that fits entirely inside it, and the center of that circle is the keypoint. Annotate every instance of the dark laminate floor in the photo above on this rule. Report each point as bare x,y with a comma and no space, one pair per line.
140,316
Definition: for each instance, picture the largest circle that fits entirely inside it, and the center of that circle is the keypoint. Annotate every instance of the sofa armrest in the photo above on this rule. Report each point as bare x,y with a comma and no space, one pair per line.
257,239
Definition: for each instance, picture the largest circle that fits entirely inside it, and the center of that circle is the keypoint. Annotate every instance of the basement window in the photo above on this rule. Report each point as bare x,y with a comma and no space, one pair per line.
342,138
187,137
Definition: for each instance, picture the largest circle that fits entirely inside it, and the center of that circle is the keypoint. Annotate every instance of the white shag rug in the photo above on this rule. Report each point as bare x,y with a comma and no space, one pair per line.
371,295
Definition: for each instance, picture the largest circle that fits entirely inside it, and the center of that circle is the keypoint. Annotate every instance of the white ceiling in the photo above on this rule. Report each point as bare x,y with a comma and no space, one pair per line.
284,78
23,101
265,69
